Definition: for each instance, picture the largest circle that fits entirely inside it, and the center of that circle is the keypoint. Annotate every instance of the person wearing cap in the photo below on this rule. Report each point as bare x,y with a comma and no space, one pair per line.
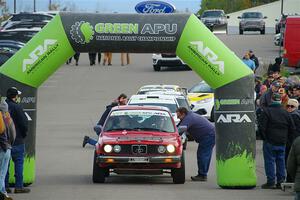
18,148
121,100
284,97
265,99
250,63
291,107
275,126
254,58
7,137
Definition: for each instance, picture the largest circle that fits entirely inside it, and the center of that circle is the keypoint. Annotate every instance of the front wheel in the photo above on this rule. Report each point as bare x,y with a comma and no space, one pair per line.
178,174
99,173
241,32
156,68
262,32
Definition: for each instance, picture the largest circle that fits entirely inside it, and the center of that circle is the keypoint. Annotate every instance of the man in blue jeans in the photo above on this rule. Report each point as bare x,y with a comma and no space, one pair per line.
275,125
18,148
203,131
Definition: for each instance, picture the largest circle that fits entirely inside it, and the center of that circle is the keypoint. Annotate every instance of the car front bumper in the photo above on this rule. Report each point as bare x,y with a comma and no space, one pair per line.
139,160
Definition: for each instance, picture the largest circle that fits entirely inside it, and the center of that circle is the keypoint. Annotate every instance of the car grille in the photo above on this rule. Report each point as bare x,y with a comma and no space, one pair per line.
139,149
252,23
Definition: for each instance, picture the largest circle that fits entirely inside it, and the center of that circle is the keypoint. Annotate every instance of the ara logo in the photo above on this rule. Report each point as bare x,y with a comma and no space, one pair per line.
209,54
233,118
37,53
82,32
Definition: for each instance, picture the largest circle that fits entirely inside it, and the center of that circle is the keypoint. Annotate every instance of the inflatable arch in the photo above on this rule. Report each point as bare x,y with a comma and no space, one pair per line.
184,34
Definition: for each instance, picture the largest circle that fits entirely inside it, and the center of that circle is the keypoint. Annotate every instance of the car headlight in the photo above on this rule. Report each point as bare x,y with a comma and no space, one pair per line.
107,148
204,100
117,148
161,149
171,148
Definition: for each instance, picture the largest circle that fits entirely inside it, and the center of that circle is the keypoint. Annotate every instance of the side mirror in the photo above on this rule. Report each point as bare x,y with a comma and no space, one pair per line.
265,17
276,20
182,129
227,16
239,17
98,129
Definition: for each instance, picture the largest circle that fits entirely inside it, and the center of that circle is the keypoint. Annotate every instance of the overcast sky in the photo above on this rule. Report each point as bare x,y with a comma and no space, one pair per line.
106,6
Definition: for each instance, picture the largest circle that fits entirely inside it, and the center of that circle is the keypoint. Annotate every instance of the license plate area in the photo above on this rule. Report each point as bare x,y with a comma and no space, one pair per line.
138,160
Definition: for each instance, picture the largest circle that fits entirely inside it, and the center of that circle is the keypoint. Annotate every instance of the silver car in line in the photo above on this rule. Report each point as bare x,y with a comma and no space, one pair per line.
252,21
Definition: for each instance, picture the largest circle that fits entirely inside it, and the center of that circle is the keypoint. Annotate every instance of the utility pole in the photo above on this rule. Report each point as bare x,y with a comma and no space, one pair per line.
15,6
50,3
34,8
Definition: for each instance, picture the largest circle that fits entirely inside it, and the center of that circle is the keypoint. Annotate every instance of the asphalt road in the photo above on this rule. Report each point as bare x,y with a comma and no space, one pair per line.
70,103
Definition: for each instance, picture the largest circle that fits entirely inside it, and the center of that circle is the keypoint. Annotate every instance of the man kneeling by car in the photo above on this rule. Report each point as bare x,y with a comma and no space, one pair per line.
203,131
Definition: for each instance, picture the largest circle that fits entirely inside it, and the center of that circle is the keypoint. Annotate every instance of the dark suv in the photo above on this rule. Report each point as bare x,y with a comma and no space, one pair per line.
252,21
215,20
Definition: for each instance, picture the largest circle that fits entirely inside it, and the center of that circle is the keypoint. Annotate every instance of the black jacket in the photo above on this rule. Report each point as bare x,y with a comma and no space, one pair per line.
20,121
293,163
106,112
276,124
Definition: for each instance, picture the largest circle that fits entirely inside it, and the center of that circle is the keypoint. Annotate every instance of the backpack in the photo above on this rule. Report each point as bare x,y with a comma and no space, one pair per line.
2,124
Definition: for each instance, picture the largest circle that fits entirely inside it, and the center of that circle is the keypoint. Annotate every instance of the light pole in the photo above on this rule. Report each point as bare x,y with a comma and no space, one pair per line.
15,6
34,8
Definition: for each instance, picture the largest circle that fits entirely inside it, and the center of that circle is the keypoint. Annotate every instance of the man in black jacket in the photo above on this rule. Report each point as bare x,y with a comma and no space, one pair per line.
265,99
18,148
254,58
122,100
275,125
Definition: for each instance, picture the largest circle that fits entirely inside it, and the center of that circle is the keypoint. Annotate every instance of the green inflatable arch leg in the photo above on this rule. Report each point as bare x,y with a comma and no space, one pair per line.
180,33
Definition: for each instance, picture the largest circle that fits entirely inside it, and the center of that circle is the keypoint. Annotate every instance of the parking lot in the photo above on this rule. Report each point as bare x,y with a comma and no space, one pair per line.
71,101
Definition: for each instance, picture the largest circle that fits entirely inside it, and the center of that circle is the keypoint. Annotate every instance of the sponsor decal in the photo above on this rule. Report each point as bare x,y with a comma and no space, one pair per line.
39,54
234,118
224,102
205,54
83,32
154,7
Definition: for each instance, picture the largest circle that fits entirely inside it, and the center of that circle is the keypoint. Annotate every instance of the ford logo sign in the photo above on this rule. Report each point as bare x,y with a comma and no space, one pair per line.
154,7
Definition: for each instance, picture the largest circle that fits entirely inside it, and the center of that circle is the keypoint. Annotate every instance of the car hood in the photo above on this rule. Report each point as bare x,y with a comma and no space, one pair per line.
193,97
134,136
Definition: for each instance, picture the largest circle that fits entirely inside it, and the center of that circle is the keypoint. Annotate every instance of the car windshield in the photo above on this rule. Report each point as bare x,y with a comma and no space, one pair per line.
252,15
215,13
201,88
172,107
140,120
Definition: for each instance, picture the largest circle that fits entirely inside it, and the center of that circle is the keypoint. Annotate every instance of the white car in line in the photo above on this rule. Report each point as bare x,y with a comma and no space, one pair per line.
167,101
167,60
